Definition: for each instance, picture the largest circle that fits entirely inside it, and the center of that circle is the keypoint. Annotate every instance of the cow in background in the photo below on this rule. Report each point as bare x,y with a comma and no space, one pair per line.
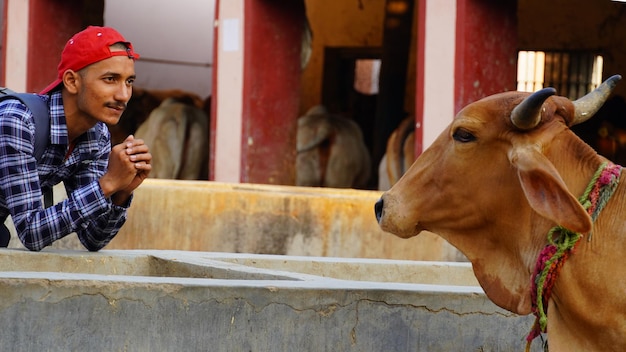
178,135
141,104
330,151
399,155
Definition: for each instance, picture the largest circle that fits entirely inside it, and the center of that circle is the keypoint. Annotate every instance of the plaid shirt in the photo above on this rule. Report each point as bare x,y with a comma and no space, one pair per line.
86,211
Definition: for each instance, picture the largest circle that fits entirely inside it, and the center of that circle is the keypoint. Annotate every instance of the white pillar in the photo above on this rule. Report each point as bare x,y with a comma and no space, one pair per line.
229,91
16,46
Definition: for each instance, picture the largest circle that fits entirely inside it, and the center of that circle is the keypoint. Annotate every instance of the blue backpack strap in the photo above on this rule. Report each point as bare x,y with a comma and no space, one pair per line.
40,111
39,108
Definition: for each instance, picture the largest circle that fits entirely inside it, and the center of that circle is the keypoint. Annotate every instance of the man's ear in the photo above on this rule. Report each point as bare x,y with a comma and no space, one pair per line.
546,192
71,80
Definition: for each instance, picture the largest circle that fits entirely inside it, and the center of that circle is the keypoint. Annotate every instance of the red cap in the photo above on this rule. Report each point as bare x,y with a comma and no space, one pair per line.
88,47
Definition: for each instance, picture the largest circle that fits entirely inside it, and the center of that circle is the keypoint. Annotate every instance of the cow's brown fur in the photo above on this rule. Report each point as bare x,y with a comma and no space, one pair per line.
496,197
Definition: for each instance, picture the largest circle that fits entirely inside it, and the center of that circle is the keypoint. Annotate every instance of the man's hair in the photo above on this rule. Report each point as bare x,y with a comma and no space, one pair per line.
119,46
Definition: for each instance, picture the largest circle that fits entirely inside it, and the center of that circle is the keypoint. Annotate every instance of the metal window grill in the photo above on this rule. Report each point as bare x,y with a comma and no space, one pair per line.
573,74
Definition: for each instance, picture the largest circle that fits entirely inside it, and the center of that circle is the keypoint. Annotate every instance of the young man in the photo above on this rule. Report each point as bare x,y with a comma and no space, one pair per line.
94,83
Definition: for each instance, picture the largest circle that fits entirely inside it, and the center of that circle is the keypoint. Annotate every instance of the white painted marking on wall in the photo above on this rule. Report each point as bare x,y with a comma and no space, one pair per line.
230,34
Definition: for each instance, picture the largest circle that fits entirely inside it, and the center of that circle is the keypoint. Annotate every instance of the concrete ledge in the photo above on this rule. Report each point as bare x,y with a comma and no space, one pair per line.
267,219
122,301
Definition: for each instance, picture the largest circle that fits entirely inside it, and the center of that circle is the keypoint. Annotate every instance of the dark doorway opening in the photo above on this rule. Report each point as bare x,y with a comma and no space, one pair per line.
340,96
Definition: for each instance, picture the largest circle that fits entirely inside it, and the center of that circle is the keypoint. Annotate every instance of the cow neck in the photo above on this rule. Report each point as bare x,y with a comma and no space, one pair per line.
562,242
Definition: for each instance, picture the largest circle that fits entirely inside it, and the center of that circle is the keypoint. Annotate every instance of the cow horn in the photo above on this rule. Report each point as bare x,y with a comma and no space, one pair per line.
527,114
588,105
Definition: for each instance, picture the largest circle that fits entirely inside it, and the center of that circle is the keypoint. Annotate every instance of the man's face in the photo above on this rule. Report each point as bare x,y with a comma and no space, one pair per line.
105,88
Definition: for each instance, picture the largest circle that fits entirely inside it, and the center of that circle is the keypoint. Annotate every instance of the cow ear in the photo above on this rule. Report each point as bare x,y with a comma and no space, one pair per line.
547,193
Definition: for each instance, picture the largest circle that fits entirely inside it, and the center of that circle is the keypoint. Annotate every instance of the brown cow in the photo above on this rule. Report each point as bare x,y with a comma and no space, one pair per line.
178,136
331,151
497,182
399,154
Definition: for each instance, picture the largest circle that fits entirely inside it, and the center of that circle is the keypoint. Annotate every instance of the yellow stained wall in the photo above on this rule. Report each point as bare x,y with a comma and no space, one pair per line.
335,23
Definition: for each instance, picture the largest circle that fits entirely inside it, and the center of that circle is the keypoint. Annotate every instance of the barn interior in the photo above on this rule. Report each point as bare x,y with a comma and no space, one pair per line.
348,31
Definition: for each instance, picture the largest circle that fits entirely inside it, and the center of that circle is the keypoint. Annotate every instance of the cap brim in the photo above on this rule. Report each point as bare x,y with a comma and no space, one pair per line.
51,86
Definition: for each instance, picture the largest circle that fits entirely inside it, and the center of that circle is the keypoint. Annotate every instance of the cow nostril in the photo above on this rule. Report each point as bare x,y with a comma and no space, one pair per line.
378,209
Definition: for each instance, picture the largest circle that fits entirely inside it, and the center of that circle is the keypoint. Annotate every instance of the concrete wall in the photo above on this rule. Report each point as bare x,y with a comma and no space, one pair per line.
199,301
174,39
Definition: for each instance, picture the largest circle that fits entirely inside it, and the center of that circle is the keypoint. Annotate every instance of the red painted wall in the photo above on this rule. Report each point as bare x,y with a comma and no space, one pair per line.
486,49
272,44
52,23
420,15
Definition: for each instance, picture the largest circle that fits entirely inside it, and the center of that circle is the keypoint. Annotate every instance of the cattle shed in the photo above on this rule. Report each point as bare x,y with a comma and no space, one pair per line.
437,56
440,24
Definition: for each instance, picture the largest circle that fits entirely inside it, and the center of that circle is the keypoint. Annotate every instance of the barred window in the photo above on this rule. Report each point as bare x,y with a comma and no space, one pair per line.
573,74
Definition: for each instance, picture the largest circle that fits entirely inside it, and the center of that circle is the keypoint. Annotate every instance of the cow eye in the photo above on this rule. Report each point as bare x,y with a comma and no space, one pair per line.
463,136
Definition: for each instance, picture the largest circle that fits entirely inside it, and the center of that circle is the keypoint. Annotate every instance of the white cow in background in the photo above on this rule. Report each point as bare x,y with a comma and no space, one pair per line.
331,151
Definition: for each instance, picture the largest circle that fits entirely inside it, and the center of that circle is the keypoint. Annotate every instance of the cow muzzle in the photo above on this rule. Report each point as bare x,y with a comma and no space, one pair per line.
392,217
